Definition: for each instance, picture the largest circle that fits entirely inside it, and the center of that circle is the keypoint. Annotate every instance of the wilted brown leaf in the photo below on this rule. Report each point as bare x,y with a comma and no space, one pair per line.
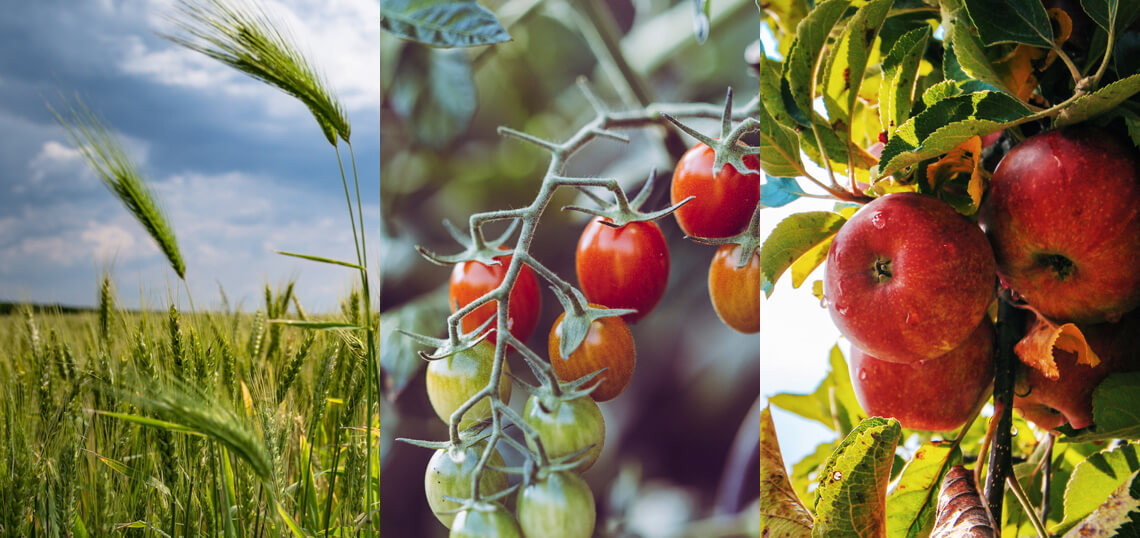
961,512
1045,338
781,512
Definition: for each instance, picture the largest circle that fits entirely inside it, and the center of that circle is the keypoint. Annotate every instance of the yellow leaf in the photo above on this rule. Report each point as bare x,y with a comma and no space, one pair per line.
1037,350
807,263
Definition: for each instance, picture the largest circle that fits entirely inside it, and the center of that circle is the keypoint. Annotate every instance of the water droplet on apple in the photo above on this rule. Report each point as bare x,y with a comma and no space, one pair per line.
862,374
842,309
911,319
878,220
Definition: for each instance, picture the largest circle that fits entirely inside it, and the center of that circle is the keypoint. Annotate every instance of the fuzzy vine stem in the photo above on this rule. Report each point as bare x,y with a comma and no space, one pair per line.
1010,326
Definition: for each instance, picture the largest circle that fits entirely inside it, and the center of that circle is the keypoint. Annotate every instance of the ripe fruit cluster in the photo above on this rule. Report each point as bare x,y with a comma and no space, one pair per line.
909,281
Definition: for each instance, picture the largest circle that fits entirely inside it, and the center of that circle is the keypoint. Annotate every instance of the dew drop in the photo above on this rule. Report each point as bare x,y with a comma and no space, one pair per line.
911,319
842,309
836,476
878,220
862,375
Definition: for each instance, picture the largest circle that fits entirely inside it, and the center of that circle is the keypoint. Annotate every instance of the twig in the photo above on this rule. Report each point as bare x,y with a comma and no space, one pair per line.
1010,326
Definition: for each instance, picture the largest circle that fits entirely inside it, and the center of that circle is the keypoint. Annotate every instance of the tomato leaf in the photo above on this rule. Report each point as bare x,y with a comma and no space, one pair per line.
911,506
442,23
947,123
781,511
1100,101
433,93
853,482
847,63
1114,411
1094,480
803,58
1118,516
1011,21
900,74
792,238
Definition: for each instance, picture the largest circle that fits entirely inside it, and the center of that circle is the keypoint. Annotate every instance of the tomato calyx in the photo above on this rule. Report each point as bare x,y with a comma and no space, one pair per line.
749,240
728,149
455,343
579,315
475,247
623,210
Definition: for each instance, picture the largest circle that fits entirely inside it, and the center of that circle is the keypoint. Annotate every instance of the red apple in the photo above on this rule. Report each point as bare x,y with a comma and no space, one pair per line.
908,278
1049,403
938,394
1063,215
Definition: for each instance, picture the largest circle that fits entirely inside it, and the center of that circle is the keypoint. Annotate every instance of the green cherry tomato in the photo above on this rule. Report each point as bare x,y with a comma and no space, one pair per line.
559,505
566,427
451,381
485,520
449,472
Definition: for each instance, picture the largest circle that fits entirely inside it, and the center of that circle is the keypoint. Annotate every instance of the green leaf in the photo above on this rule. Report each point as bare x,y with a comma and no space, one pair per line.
912,505
1118,516
805,472
1094,480
947,123
847,63
1011,21
968,50
792,238
398,354
803,58
768,73
788,13
434,94
853,483
900,73
776,146
781,511
1100,101
319,259
1106,13
1132,122
442,23
1114,411
833,402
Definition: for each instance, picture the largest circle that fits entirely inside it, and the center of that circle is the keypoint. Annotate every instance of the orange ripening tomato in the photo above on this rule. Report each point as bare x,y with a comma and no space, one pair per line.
736,293
608,344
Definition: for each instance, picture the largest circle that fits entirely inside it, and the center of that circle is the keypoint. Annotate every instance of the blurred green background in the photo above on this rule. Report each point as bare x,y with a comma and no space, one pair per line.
670,434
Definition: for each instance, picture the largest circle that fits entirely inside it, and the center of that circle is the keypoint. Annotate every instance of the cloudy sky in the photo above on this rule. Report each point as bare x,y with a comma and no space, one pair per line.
241,168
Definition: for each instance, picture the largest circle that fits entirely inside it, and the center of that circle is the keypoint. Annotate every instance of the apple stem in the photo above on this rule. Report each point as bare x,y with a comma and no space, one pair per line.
1047,469
1010,326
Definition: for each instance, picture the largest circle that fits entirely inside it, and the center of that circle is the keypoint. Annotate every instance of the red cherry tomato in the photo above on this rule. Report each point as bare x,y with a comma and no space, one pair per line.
625,267
724,204
471,280
735,293
608,344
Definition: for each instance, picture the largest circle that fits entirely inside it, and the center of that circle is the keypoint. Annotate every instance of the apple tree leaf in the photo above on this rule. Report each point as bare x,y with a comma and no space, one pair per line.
1118,516
442,23
947,123
792,238
1115,413
1011,21
912,505
788,13
961,511
847,63
1112,14
804,56
1037,349
1100,101
833,402
900,74
779,191
853,482
768,76
1132,122
968,53
777,146
1094,480
433,93
805,473
781,511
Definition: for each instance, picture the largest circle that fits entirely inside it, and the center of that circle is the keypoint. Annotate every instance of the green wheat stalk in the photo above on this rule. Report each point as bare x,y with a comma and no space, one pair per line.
121,176
242,35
